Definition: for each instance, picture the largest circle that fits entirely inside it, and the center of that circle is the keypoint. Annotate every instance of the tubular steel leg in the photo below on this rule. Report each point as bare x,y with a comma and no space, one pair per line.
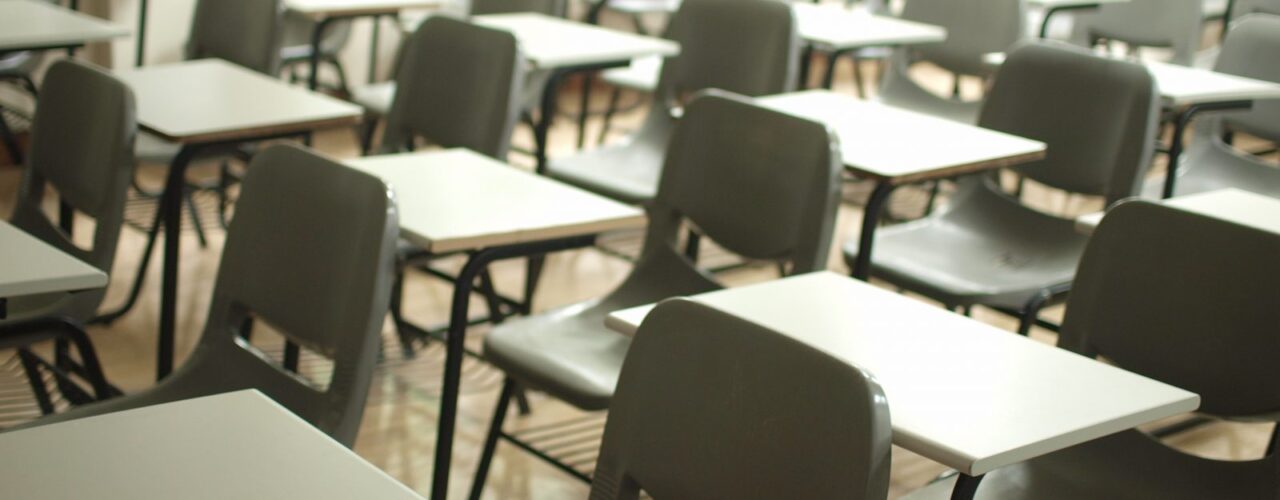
966,487
141,47
585,108
1031,311
196,223
38,389
533,273
692,246
136,290
546,116
171,207
313,62
614,97
806,61
876,205
1180,124
491,440
829,77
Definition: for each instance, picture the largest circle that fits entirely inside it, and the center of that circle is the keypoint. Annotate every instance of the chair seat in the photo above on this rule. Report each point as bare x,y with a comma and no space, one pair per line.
641,75
567,353
993,256
375,98
628,173
1125,465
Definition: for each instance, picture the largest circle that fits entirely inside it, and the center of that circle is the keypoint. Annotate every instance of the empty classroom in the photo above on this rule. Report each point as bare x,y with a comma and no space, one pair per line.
613,249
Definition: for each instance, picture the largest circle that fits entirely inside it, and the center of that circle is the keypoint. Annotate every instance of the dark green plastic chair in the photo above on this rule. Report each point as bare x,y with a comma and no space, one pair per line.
1185,299
713,406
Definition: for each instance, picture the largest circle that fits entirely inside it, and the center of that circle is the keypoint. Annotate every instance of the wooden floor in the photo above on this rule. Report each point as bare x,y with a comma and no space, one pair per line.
400,423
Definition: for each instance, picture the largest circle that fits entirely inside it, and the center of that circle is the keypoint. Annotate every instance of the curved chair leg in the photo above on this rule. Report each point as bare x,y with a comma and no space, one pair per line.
1031,311
397,313
857,76
342,75
491,439
196,223
367,131
614,97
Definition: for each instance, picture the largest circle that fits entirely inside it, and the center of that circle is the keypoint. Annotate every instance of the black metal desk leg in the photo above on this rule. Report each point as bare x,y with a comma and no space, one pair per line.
171,209
547,115
317,35
1180,125
966,487
870,219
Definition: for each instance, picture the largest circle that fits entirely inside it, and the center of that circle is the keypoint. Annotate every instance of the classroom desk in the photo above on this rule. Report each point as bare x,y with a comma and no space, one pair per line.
1052,7
884,144
829,28
29,266
326,12
963,393
206,105
458,200
234,445
1188,92
37,25
561,47
839,30
1231,204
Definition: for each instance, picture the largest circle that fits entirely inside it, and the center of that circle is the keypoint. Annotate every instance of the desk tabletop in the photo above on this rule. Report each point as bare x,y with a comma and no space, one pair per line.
1181,86
883,142
233,445
962,393
552,43
835,27
29,266
213,100
1234,205
31,24
319,9
457,199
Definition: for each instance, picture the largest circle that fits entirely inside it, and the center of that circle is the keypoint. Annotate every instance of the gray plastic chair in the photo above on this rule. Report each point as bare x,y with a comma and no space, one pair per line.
82,147
975,28
22,67
1211,163
458,87
1246,7
376,99
810,426
1176,24
1185,299
761,183
1098,118
296,44
714,54
310,253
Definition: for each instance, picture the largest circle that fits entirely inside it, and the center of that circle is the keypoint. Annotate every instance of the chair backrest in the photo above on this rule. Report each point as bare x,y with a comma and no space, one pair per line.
748,47
549,7
975,28
311,253
82,146
1250,50
245,32
1245,7
457,86
710,405
1098,117
1183,298
1177,24
761,183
